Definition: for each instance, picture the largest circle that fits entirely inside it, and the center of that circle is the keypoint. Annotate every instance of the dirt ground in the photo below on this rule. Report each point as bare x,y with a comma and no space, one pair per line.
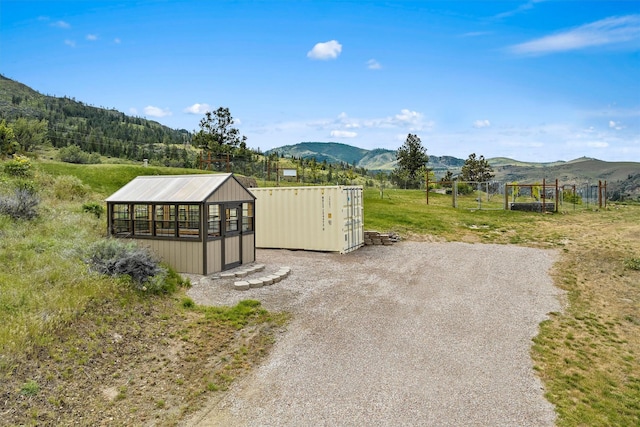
418,333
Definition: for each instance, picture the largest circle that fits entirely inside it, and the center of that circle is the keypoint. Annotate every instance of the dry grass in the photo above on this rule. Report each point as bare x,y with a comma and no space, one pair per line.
589,355
135,360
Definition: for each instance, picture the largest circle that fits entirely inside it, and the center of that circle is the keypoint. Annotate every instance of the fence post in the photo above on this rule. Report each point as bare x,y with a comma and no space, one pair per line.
506,197
454,194
544,194
427,185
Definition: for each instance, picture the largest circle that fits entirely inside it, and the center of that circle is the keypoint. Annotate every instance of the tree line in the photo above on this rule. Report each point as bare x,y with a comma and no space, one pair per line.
65,122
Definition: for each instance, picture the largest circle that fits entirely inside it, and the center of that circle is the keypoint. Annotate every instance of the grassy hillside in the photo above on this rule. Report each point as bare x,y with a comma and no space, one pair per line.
95,129
332,152
568,172
496,162
378,159
77,346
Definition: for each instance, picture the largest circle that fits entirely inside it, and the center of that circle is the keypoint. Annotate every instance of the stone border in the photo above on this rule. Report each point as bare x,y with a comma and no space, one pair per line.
243,285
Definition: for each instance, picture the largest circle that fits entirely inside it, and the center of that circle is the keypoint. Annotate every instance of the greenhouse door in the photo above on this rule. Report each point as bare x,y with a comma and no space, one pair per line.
232,238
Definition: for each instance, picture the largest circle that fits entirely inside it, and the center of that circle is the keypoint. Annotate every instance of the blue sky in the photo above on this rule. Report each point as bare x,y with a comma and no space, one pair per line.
531,80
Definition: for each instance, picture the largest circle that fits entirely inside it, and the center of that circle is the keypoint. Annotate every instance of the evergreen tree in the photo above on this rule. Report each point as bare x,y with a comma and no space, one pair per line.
477,169
412,160
217,133
30,133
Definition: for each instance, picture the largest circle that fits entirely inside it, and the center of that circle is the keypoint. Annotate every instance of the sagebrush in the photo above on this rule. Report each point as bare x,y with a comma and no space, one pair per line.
22,204
116,258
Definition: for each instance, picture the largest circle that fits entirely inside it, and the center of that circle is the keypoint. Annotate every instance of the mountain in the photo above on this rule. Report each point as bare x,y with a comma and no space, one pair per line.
579,170
621,177
94,129
330,151
373,160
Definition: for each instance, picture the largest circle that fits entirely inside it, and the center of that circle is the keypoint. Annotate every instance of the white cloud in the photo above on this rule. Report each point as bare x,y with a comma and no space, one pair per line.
410,120
478,124
615,125
476,34
613,30
198,108
152,111
92,37
346,122
343,134
408,117
116,40
326,50
523,7
61,24
71,43
372,64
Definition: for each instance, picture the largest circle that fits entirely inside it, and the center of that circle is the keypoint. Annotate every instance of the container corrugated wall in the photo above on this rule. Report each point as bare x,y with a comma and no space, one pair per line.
328,218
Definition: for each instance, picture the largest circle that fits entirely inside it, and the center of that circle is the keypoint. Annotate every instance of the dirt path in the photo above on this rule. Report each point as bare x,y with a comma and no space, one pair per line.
411,334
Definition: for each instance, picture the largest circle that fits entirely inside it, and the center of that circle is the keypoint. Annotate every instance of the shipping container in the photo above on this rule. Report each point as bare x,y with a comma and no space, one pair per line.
327,218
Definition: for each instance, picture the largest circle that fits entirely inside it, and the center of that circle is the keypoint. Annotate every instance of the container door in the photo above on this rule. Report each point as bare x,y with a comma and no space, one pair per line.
232,240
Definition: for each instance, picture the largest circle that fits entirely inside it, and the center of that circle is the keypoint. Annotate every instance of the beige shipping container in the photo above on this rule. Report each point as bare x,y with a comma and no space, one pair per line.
328,218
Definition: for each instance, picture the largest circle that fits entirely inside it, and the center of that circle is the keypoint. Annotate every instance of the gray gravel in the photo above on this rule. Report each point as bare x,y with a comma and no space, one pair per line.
414,334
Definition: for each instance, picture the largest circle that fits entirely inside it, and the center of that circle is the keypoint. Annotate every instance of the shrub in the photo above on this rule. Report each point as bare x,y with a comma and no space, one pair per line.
116,258
22,205
464,188
74,154
19,166
569,197
187,302
26,185
67,187
632,263
95,208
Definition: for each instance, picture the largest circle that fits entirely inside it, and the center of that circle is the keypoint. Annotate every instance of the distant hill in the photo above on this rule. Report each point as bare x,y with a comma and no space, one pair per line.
372,160
622,177
505,161
94,129
578,170
332,152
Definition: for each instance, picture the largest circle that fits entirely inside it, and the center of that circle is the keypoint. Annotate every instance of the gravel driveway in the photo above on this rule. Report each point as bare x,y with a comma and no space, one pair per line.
414,334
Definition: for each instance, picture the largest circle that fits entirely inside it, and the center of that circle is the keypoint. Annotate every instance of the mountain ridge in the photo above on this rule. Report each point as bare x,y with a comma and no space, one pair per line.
623,177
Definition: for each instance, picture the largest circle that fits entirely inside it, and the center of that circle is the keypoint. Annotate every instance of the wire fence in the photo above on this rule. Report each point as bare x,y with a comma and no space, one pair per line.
537,197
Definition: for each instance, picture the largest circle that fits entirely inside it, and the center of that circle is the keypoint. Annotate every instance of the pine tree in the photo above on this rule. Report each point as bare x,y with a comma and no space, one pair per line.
412,161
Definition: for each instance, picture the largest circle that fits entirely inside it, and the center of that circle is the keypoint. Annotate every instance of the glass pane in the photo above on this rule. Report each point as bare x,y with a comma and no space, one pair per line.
189,221
142,219
121,221
247,216
232,219
214,221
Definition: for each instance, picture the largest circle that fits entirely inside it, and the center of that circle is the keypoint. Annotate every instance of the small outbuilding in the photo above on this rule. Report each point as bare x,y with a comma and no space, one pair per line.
199,224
